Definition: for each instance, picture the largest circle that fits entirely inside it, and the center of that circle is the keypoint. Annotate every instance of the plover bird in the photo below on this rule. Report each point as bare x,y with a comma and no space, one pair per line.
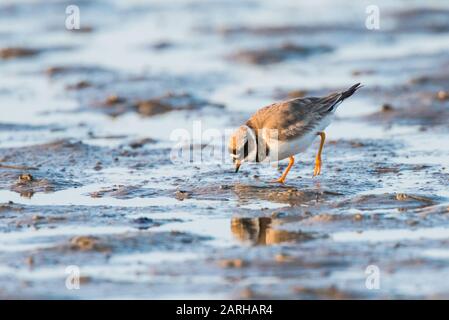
284,129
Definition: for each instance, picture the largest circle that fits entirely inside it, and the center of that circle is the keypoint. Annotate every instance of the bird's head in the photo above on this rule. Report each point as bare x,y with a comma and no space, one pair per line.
241,145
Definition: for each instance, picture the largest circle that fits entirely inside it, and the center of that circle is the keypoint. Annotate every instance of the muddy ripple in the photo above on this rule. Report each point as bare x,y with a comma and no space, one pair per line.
284,52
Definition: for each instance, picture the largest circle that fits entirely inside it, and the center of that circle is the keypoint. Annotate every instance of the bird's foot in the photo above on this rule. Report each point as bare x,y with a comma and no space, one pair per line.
281,180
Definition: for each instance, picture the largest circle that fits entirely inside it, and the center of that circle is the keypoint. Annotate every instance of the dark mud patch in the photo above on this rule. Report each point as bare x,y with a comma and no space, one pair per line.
221,192
115,105
414,20
331,292
83,84
421,20
115,93
15,217
88,243
423,101
28,184
49,154
285,30
60,71
126,243
12,127
170,102
21,181
83,29
247,193
382,168
424,112
53,166
140,143
433,80
161,45
11,53
365,147
282,53
16,52
292,196
399,201
126,192
144,223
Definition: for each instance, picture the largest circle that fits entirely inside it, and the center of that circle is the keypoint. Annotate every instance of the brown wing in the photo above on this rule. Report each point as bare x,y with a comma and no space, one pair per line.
293,117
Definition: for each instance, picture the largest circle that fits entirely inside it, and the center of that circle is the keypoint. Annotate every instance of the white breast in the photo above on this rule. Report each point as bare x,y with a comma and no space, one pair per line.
280,150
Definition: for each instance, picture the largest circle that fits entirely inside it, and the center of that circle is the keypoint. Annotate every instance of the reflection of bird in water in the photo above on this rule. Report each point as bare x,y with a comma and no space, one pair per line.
260,231
283,129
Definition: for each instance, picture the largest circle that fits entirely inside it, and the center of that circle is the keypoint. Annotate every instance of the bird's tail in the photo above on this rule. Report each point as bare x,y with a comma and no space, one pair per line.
349,92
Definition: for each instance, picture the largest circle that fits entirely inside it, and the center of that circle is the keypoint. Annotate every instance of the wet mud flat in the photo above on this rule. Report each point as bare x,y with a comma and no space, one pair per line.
88,181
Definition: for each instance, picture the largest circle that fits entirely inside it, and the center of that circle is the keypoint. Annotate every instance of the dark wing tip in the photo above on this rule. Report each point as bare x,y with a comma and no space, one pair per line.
350,91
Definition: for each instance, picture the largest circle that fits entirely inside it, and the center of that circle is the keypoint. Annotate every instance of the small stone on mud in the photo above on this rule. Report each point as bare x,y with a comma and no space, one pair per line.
401,196
29,261
144,223
386,107
98,166
181,195
412,222
79,85
83,243
172,101
25,177
443,95
380,170
113,99
231,263
282,258
153,107
358,217
140,143
84,279
143,220
161,45
357,144
276,214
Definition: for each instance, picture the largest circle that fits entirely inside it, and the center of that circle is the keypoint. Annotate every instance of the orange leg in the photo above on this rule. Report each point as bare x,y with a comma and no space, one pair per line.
284,175
317,169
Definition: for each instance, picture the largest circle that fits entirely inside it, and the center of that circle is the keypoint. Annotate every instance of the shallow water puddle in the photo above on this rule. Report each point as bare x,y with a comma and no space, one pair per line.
73,197
218,229
392,235
436,254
